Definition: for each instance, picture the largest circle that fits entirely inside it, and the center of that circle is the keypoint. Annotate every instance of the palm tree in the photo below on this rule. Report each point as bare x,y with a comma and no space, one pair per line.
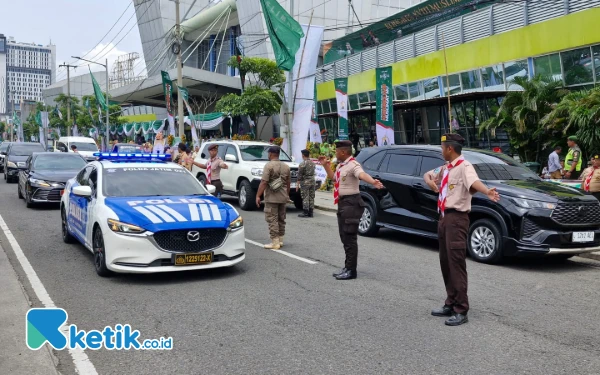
521,113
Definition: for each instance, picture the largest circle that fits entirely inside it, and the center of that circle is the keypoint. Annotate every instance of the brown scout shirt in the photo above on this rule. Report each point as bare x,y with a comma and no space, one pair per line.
349,180
216,164
460,180
270,173
595,183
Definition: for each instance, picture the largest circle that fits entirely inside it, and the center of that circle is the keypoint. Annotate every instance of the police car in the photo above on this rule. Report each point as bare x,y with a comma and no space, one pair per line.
139,214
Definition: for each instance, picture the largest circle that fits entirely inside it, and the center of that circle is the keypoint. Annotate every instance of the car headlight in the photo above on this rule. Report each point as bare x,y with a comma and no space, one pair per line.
526,203
11,164
124,228
237,223
43,183
257,172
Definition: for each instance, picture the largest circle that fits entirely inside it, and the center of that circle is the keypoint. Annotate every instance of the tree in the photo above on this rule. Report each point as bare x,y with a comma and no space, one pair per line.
521,114
259,99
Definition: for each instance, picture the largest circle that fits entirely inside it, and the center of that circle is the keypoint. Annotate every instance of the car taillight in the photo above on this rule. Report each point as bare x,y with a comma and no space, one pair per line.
62,192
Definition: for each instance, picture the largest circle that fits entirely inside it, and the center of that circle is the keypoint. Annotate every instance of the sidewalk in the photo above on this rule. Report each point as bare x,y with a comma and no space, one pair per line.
15,357
324,201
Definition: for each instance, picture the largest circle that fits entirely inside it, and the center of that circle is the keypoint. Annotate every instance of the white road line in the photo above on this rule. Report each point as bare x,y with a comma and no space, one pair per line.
283,252
82,363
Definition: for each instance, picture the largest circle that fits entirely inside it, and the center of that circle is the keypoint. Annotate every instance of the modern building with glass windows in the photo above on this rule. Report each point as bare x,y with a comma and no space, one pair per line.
485,46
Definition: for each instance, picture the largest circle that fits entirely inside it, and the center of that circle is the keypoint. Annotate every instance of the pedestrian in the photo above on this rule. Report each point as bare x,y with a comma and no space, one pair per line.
573,160
351,206
458,180
74,149
554,168
213,167
372,143
306,179
275,184
591,177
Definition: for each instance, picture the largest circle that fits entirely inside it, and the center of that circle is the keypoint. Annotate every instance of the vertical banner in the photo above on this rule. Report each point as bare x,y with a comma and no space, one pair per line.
168,92
341,96
385,107
315,131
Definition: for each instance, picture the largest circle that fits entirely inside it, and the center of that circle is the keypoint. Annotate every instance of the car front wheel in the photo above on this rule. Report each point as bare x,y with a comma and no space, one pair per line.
202,179
367,225
100,254
485,241
67,237
247,197
19,191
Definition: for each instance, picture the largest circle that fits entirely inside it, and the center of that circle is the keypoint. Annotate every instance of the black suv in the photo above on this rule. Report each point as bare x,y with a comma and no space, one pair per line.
533,217
15,158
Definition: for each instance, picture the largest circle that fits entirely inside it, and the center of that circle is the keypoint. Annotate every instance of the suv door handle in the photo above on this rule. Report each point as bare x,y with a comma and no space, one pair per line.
419,185
376,176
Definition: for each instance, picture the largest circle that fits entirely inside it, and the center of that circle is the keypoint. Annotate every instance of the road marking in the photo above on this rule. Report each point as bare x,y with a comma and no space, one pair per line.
80,359
283,252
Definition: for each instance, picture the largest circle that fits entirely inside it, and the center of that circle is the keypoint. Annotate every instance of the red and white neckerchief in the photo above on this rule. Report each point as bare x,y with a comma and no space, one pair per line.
444,188
208,171
336,189
588,180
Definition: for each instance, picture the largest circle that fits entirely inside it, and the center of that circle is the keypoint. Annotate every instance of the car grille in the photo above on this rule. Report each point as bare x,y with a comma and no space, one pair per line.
177,240
577,213
47,195
530,228
294,174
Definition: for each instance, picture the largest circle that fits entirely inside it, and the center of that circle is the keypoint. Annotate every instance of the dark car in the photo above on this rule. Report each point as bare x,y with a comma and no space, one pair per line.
3,148
127,148
45,175
15,157
533,217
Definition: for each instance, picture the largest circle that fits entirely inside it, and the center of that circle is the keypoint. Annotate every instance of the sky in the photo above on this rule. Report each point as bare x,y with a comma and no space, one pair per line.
76,27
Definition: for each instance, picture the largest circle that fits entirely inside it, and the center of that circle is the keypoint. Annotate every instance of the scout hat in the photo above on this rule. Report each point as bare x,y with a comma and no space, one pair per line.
453,138
213,147
339,144
305,153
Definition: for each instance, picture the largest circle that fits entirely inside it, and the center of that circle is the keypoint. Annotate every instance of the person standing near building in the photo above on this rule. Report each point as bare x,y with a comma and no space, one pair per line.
306,179
573,160
554,168
458,181
351,206
275,184
591,177
213,169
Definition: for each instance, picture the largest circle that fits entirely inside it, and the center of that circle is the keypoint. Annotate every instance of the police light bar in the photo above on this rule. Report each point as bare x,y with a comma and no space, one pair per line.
115,156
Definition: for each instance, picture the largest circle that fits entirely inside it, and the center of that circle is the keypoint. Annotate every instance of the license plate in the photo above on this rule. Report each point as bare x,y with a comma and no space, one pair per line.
293,185
583,236
191,259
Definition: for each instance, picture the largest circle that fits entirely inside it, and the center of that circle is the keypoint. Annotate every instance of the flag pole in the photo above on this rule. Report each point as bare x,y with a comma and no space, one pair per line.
290,96
447,84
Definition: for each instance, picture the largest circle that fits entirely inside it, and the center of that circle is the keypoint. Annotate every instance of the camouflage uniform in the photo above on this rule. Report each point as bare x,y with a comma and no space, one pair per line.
306,179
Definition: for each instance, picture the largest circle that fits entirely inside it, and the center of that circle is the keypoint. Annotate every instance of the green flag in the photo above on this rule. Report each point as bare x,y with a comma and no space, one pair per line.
284,31
38,118
16,120
100,99
168,91
385,107
341,95
57,112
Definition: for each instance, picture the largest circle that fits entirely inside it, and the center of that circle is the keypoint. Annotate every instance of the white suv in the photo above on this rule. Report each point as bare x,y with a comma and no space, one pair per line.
246,161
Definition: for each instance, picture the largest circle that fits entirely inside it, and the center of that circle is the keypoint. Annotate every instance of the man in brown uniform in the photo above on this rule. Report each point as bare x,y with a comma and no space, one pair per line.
277,194
458,181
591,177
213,169
350,204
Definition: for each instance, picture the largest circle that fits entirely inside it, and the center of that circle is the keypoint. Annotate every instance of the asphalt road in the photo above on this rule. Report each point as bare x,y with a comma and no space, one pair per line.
273,314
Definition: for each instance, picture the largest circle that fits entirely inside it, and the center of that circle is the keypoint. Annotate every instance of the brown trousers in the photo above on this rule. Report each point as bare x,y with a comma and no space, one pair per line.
452,233
350,210
218,185
275,217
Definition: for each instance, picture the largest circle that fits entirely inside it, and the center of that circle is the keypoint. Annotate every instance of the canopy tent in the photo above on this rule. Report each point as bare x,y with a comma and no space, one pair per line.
209,121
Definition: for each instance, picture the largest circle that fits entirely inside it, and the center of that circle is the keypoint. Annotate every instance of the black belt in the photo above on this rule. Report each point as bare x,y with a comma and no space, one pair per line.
453,211
215,180
349,196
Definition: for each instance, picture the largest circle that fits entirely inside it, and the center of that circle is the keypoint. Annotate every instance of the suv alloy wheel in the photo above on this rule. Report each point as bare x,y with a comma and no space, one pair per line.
485,241
367,224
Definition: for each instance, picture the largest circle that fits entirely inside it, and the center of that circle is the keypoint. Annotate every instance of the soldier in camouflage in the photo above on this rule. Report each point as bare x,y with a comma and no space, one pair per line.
306,179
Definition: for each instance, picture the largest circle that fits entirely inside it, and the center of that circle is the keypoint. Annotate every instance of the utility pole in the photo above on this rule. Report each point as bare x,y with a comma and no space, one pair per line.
12,123
180,120
68,96
107,107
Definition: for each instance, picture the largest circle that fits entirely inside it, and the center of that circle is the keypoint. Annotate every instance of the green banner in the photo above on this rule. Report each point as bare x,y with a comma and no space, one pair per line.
385,106
284,31
315,111
168,91
341,96
416,18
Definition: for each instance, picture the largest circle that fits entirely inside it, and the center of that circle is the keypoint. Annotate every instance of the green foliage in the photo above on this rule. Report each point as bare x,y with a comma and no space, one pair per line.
264,71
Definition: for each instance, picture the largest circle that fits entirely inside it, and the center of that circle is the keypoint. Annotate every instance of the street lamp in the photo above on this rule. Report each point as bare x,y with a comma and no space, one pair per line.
107,103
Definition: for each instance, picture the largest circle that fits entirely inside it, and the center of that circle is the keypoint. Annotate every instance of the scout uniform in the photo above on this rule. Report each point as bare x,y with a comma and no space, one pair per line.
591,179
350,205
454,204
276,200
213,171
574,157
306,178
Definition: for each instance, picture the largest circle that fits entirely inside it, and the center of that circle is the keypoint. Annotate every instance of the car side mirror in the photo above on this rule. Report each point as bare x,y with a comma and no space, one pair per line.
82,191
231,158
4,153
211,189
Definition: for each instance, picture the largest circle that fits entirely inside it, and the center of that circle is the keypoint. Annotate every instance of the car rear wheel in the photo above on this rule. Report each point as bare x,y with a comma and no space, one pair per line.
485,241
367,225
247,197
100,254
67,238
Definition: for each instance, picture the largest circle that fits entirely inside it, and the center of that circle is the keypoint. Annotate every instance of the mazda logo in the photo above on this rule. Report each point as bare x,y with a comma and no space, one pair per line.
193,236
582,211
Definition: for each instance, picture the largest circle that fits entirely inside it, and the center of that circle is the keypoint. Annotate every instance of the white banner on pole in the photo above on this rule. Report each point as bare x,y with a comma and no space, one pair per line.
304,88
315,133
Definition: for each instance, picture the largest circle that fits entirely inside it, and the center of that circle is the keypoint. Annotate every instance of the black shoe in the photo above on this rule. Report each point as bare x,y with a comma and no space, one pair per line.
340,273
444,311
304,214
457,319
310,212
348,275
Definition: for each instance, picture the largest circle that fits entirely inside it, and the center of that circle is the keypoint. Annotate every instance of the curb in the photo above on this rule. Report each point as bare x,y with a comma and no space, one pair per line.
594,256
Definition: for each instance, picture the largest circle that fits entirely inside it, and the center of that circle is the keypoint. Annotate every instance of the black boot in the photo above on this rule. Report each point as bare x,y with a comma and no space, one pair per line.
341,272
457,319
348,275
310,212
444,311
304,214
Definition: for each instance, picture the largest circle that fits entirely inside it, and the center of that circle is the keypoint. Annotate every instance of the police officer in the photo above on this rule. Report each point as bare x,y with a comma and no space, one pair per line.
350,204
573,161
306,179
213,168
458,181
591,177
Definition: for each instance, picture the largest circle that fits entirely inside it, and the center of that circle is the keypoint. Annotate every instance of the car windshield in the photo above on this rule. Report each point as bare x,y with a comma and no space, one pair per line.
55,162
84,146
498,167
260,152
4,146
128,148
123,182
26,149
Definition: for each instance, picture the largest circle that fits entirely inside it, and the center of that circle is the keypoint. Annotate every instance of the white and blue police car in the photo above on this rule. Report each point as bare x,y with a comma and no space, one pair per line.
138,213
